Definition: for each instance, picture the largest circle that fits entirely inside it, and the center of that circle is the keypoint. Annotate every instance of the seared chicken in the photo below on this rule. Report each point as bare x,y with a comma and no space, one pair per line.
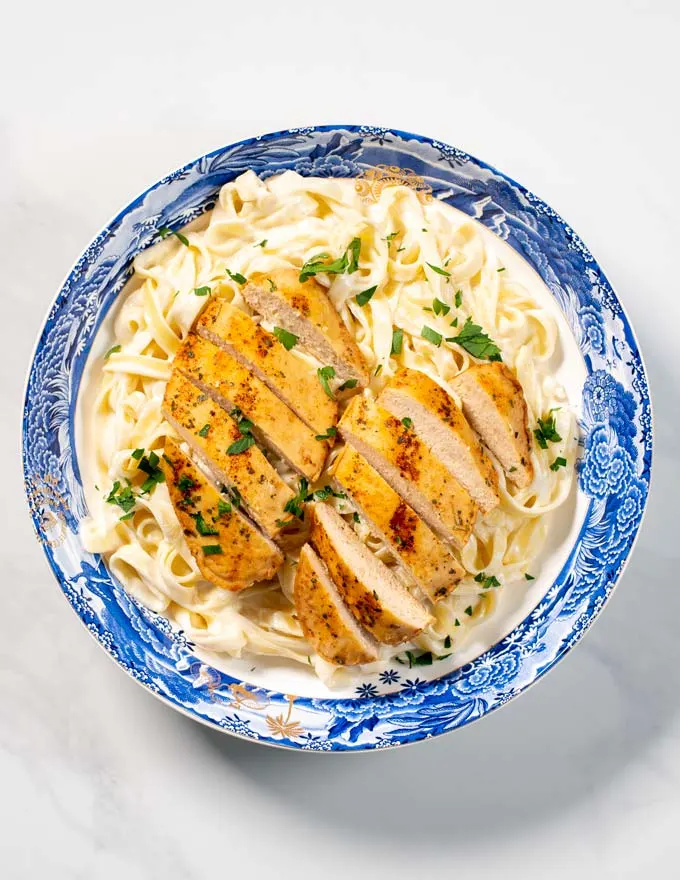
374,596
289,377
234,387
210,431
425,557
325,620
494,404
229,550
411,395
411,468
305,310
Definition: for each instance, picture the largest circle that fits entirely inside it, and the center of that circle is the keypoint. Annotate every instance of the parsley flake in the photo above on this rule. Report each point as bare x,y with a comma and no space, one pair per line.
201,291
473,339
237,277
439,270
459,298
440,308
201,526
288,340
365,295
529,577
407,422
348,262
262,243
241,445
431,336
350,383
558,463
204,430
111,351
397,341
330,432
546,432
324,374
212,549
164,232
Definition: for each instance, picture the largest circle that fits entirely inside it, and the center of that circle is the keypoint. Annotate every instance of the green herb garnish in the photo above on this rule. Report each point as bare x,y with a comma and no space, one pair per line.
348,262
407,422
123,497
223,507
529,577
487,581
202,291
330,432
558,463
546,431
164,232
468,611
294,504
440,308
212,549
240,445
431,336
149,465
473,339
356,517
262,243
458,298
447,642
201,526
365,295
272,286
439,270
324,374
204,430
111,351
127,516
349,383
237,277
378,370
397,341
185,484
288,340
137,454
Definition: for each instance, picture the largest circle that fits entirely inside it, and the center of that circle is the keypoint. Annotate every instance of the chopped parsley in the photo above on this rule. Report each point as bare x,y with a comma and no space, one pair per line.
241,445
457,623
349,383
390,238
294,504
468,611
288,340
212,549
202,291
262,243
137,454
487,581
424,659
330,432
237,277
185,484
223,507
439,270
149,466
164,232
502,269
397,341
204,430
272,286
201,526
324,374
440,308
473,339
454,323
324,494
378,370
365,295
546,431
348,262
123,497
431,336
458,298
529,577
356,517
407,422
127,516
111,351
284,523
558,463
447,642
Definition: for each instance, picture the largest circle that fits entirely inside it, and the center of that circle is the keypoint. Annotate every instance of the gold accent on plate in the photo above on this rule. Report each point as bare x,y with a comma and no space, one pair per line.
48,504
373,181
280,726
246,699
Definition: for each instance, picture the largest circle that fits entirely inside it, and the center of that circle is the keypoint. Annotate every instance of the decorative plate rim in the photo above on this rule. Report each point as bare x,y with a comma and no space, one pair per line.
353,732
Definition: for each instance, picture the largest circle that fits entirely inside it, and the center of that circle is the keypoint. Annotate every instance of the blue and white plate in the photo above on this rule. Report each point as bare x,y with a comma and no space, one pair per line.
400,705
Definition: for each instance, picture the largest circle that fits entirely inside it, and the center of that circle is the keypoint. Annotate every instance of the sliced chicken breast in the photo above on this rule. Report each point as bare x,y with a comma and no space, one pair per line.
289,377
427,559
210,431
411,468
305,310
494,404
233,386
438,421
325,620
375,597
229,550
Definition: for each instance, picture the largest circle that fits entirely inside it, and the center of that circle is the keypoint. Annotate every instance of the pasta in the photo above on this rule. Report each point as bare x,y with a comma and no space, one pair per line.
259,226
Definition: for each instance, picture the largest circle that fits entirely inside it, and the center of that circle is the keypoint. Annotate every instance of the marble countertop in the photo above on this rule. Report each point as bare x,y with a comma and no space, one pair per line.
578,778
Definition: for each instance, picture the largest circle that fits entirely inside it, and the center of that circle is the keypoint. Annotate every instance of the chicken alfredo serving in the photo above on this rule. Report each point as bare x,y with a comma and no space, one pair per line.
327,430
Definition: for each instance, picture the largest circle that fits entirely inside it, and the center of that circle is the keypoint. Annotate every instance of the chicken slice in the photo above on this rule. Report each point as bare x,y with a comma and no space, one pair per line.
436,418
289,377
411,468
229,550
233,386
374,596
425,557
305,310
210,431
494,404
324,617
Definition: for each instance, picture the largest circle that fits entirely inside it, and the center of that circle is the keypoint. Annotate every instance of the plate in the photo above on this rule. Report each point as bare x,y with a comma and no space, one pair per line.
269,703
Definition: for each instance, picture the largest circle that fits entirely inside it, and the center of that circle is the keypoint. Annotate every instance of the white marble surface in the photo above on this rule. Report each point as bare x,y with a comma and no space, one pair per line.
578,778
